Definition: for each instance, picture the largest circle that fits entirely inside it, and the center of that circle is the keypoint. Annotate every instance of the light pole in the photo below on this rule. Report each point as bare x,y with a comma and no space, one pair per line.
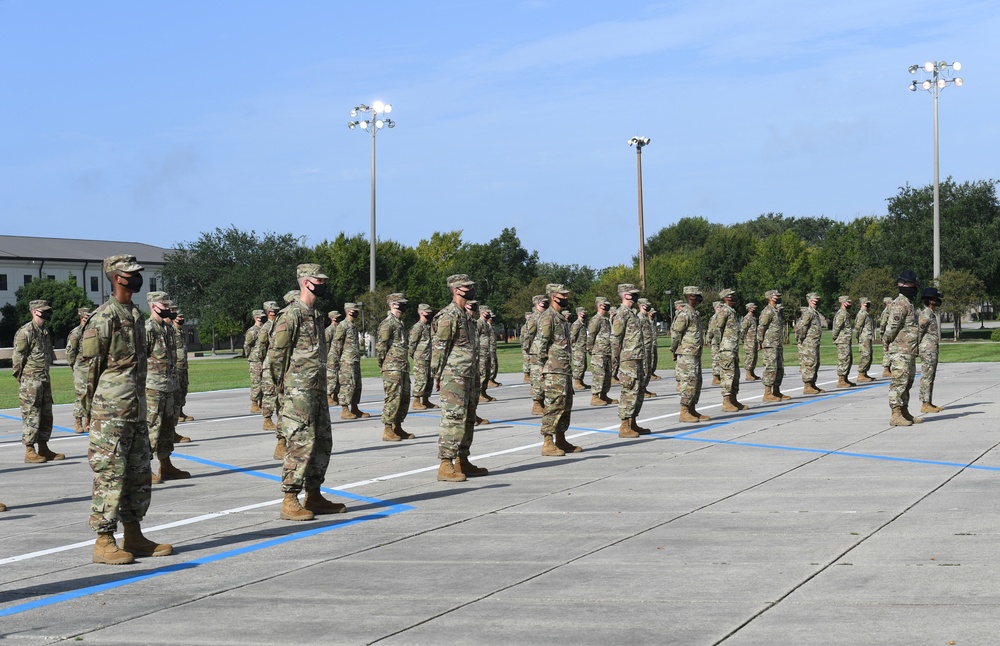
639,142
936,76
372,119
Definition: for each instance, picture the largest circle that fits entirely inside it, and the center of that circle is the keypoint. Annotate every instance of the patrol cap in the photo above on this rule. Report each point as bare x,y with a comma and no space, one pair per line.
556,288
652,310
290,295
122,262
460,280
643,301
863,299
727,292
772,293
692,289
540,298
627,288
271,306
473,304
679,304
907,276
396,297
844,299
716,304
581,310
751,306
257,314
812,295
351,306
931,292
160,298
39,305
83,311
600,300
310,270
333,314
178,315
424,307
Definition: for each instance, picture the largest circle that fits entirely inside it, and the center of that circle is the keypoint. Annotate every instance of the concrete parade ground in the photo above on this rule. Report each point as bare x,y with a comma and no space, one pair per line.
810,521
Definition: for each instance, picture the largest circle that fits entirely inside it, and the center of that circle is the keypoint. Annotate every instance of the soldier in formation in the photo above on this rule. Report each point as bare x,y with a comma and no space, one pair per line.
526,347
883,321
713,343
578,344
864,330
268,401
843,335
902,333
472,309
727,333
182,374
687,341
31,359
748,337
627,330
554,350
809,333
930,339
494,359
599,347
541,303
484,331
648,344
162,385
332,367
771,342
420,352
254,368
392,353
79,367
347,353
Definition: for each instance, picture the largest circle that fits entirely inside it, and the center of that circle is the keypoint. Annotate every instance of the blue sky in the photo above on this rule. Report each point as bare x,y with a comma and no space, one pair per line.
154,121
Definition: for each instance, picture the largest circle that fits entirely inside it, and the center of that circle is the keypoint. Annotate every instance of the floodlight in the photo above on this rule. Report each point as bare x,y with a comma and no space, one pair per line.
379,123
956,66
388,107
959,81
351,124
364,124
354,113
928,66
914,68
926,85
378,106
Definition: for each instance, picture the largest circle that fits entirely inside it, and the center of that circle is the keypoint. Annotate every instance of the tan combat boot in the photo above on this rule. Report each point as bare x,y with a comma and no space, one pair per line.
654,377
279,450
3,507
716,380
844,382
49,454
169,472
480,421
358,412
138,545
469,470
317,504
389,435
687,415
809,389
648,394
254,407
864,378
769,395
886,372
447,472
727,404
701,418
595,400
897,418
565,444
31,457
181,439
417,404
625,430
345,413
78,425
269,425
537,408
579,385
776,391
549,448
397,428
492,383
928,407
291,509
634,425
485,398
738,404
908,415
609,400
107,551
427,402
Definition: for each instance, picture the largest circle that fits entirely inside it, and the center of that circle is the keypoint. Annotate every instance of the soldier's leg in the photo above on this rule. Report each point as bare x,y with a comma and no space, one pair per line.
119,457
319,461
392,385
136,492
537,385
728,367
454,411
899,368
911,372
29,398
356,397
865,358
45,411
928,370
686,371
404,397
300,438
419,380
554,398
629,376
886,359
80,390
154,423
346,394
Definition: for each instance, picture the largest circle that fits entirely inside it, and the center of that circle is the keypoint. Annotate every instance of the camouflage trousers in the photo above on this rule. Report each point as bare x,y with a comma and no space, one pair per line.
774,365
885,355
332,380
526,362
269,394
558,403
305,425
729,372
656,359
647,368
845,359
600,375
632,379
496,366
422,382
928,370
688,371
256,387
579,363
485,369
396,384
458,416
808,362
119,457
750,356
80,388
35,397
715,362
537,384
864,356
903,368
181,399
350,384
161,420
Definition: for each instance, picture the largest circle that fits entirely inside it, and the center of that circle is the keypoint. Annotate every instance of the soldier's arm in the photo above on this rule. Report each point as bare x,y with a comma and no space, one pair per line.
414,339
72,346
592,330
441,344
543,340
923,324
384,339
286,332
337,348
22,348
677,331
94,344
894,323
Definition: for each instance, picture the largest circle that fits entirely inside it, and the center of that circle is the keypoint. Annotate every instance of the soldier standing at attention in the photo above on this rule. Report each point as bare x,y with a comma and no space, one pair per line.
494,359
930,339
864,328
31,360
686,344
453,364
114,345
616,349
249,341
883,321
555,354
713,343
727,331
525,346
541,303
472,309
347,351
180,343
392,353
299,367
903,335
649,345
578,344
161,385
678,306
79,368
843,334
483,333
748,335
420,352
599,347
809,333
269,398
332,368
628,330
654,333
771,340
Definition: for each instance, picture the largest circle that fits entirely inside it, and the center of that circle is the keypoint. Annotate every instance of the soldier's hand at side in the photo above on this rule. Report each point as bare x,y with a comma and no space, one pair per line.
437,386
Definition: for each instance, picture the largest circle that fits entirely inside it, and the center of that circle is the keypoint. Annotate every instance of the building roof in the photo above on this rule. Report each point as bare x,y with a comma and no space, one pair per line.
69,249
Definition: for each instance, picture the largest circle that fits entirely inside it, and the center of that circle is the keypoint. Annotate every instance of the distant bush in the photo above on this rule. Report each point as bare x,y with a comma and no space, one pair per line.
996,335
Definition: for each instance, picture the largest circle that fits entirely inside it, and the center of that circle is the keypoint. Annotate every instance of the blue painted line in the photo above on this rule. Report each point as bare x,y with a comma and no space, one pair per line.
54,428
179,567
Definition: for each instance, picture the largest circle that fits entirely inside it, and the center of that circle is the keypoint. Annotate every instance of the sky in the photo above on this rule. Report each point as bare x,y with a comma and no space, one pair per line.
155,121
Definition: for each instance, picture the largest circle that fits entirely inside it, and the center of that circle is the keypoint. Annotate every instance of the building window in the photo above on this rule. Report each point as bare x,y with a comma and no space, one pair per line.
93,284
27,278
50,276
152,284
3,282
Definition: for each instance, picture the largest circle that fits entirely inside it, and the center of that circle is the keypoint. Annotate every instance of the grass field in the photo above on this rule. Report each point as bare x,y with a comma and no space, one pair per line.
226,373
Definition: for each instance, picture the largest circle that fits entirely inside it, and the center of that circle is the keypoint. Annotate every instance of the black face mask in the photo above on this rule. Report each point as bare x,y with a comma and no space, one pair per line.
353,313
45,315
777,301
909,292
401,307
166,314
561,302
318,289
133,283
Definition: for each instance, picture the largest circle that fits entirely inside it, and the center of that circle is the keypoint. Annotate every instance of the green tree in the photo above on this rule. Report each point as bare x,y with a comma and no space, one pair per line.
685,235
876,283
962,292
500,268
345,260
783,262
65,297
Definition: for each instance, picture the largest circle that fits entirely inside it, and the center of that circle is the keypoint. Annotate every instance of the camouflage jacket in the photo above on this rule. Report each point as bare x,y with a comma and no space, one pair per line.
484,331
492,333
420,342
842,331
727,330
298,359
114,343
346,343
599,335
263,342
454,351
529,331
180,343
748,330
771,328
73,345
864,326
552,343
883,321
32,352
809,329
649,332
902,331
392,348
161,356
930,335
578,337
629,331
711,333
249,340
686,334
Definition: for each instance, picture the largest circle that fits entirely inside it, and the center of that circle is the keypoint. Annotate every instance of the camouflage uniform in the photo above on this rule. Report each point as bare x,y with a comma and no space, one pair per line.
392,352
526,346
114,344
180,343
249,341
686,344
553,349
616,348
599,346
31,360
864,329
629,331
531,329
261,355
578,343
883,321
420,352
654,335
79,368
843,335
494,359
483,333
727,331
771,338
454,363
161,381
903,335
347,351
748,335
930,339
809,332
648,344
